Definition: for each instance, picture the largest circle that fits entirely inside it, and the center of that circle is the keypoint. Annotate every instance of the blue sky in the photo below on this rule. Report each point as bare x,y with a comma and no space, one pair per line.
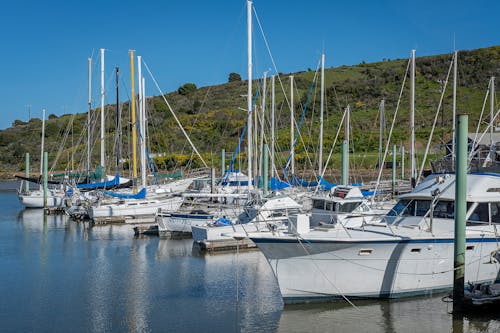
45,44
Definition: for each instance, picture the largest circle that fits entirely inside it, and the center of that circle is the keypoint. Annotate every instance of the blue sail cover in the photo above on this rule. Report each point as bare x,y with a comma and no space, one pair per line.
276,184
110,183
296,181
325,185
139,195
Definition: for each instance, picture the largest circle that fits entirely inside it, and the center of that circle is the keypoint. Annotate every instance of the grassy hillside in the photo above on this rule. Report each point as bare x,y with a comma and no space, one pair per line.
213,116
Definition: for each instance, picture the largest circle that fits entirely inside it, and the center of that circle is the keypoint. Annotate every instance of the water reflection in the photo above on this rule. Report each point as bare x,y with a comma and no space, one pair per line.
420,314
71,276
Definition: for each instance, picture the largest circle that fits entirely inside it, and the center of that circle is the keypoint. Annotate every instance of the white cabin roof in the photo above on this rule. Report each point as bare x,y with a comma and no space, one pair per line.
480,188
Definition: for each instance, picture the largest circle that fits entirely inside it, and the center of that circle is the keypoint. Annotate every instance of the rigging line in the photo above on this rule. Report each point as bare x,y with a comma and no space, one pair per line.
63,143
435,120
175,116
331,152
324,275
353,262
480,120
484,132
270,55
390,131
299,125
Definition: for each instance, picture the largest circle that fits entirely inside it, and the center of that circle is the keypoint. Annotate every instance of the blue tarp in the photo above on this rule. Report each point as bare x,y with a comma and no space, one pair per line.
296,181
325,185
278,185
222,222
110,183
139,195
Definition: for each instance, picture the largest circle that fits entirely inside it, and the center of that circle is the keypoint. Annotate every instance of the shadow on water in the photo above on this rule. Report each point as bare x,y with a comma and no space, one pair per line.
417,314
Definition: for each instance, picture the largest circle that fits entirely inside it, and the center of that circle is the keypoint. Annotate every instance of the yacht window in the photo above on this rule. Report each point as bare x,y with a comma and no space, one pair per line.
470,247
319,204
495,212
348,207
416,250
480,214
444,209
330,206
422,207
410,208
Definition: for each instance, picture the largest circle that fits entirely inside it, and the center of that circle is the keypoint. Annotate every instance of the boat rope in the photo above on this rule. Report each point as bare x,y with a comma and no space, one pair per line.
403,273
474,142
324,275
387,145
331,152
174,115
424,159
238,146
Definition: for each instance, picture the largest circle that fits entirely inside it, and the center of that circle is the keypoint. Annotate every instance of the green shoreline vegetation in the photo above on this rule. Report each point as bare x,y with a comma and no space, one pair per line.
213,117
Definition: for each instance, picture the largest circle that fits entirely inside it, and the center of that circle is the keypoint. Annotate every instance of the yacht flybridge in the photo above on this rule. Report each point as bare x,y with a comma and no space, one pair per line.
409,252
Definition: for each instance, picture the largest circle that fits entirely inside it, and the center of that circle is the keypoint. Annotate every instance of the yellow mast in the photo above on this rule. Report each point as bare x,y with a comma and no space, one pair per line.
134,130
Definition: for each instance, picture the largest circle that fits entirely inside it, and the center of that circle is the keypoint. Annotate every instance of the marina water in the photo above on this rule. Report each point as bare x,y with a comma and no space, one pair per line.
58,275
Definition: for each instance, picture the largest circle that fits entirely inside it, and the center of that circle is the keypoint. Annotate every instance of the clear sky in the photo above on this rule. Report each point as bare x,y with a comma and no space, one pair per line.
45,44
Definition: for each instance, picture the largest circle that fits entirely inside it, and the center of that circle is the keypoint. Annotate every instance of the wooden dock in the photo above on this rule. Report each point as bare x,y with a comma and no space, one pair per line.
226,245
125,219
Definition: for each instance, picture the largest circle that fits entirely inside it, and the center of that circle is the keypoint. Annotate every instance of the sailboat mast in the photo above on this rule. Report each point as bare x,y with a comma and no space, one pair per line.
144,170
454,112
381,132
262,115
272,124
118,122
89,116
413,170
249,93
492,114
43,141
322,102
103,152
132,104
141,130
292,123
347,139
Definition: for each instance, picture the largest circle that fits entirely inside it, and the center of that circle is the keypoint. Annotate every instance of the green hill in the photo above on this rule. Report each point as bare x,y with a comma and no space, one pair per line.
214,119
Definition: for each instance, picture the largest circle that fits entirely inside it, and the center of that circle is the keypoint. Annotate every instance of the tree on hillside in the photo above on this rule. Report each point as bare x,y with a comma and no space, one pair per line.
233,77
186,88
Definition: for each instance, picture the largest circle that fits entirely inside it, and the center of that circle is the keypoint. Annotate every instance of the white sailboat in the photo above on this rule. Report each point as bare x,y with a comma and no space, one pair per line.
35,199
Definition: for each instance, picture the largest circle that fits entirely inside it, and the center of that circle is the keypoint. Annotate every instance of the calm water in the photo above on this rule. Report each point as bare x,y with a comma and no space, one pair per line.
61,276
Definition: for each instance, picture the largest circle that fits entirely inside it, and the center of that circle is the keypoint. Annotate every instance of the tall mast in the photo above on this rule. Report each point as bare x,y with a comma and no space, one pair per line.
413,170
141,130
43,141
292,123
143,134
492,114
262,115
320,159
118,122
89,116
454,113
132,103
381,132
249,93
347,139
272,124
103,152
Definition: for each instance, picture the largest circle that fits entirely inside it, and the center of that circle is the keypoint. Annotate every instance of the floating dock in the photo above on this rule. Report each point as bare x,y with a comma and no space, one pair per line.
226,245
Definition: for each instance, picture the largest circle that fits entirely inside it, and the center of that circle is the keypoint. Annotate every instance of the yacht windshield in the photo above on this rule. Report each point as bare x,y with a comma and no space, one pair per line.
410,208
442,209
